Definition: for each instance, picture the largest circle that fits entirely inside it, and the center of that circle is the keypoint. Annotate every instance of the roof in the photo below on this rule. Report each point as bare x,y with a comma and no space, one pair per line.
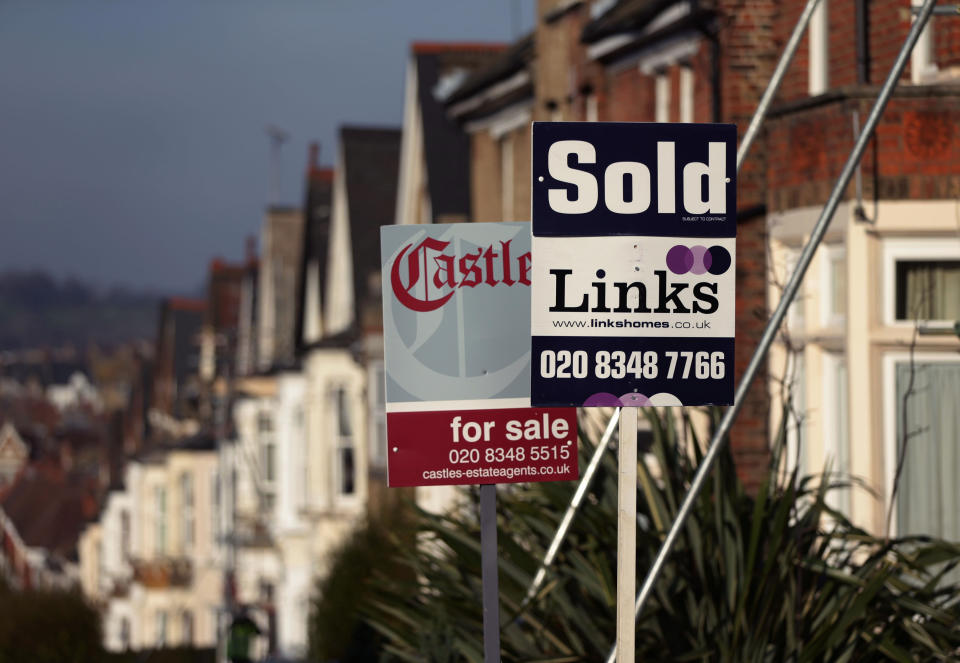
509,62
185,304
371,159
316,233
635,18
625,15
441,47
446,146
49,509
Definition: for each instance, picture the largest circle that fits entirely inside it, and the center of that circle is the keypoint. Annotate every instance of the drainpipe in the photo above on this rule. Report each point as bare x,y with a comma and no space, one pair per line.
863,42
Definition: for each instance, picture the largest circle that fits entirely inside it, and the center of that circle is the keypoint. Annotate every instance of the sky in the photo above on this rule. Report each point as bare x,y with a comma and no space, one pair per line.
133,142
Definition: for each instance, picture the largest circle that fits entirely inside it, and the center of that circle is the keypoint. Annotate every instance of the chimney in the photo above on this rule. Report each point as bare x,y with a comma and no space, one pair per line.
251,249
313,160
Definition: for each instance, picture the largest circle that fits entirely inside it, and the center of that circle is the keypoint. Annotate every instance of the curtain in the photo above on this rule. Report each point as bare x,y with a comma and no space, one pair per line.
928,290
929,496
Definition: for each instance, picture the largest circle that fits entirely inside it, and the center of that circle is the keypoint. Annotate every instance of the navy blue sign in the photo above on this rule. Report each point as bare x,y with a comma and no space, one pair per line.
622,178
633,270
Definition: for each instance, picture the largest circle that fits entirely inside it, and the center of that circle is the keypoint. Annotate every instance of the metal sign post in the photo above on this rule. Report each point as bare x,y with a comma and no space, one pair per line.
488,570
626,535
456,314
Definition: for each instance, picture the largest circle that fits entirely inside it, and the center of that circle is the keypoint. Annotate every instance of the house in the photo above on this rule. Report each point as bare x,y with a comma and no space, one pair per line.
41,518
300,448
868,354
151,560
634,61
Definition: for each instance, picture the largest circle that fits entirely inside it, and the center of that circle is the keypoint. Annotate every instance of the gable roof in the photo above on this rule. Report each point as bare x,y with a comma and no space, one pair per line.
446,146
316,234
9,435
504,81
371,158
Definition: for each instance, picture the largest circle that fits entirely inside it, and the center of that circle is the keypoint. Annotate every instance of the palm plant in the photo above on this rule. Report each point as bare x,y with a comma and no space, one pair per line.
776,576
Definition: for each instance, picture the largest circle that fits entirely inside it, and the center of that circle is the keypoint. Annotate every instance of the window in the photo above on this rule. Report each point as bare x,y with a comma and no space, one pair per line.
922,404
124,535
345,464
300,437
268,458
186,628
835,431
187,511
160,531
686,93
928,290
661,97
592,112
378,416
161,627
506,177
215,506
921,279
833,290
124,633
796,413
819,60
922,64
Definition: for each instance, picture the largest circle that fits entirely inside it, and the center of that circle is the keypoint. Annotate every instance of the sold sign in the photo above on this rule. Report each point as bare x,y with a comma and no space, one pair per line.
634,239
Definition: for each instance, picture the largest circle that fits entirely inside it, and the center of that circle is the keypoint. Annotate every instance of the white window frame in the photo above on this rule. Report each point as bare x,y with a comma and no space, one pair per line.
378,413
912,249
661,96
818,41
829,253
188,531
890,405
923,65
338,443
507,149
686,92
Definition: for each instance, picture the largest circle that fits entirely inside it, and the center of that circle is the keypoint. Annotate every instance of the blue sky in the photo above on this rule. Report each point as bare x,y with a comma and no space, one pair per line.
132,134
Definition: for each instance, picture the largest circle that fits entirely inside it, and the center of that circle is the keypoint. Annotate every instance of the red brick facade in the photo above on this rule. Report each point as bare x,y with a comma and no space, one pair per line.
730,47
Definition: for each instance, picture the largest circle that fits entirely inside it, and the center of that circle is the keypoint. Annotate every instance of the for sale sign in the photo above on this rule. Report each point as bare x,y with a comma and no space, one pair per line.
634,233
456,321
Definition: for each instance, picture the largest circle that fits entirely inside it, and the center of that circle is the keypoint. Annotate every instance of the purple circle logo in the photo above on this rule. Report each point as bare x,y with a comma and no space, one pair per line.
698,259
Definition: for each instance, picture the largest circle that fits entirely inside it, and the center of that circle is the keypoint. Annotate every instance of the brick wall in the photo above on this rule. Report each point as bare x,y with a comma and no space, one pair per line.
915,153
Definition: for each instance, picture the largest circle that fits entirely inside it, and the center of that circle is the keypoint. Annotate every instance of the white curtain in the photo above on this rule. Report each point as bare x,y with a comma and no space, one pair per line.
929,496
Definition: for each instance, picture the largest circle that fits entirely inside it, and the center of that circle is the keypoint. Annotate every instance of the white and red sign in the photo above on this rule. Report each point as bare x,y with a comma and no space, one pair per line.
456,321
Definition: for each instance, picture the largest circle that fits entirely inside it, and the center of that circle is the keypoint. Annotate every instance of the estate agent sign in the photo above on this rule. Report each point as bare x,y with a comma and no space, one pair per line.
634,228
456,321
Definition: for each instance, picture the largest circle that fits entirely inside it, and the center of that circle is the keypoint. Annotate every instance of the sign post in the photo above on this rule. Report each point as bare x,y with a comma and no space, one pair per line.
634,233
456,321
